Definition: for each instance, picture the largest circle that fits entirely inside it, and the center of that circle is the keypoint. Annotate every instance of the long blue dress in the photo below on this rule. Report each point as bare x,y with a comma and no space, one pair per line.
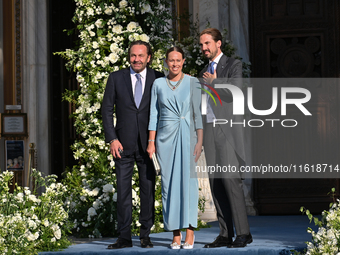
175,115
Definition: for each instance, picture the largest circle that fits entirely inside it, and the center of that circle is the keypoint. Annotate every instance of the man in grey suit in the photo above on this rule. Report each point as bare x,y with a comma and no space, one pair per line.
224,144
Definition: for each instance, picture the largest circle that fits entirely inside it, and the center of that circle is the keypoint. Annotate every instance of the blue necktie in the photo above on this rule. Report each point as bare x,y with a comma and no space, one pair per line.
210,112
138,90
211,67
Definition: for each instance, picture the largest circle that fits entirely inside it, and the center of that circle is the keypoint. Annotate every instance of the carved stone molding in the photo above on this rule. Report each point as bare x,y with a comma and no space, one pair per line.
18,83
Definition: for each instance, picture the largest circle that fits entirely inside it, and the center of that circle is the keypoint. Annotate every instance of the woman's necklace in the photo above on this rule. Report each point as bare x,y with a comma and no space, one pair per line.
173,87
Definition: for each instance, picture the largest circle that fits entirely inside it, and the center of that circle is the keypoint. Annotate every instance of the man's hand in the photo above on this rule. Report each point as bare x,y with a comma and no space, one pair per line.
208,77
115,149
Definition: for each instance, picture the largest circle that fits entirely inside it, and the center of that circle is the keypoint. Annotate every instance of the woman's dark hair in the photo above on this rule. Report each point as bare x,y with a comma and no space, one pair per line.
147,45
175,48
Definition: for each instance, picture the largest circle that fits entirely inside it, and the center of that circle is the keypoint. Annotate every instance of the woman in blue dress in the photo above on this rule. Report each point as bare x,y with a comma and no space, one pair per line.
176,136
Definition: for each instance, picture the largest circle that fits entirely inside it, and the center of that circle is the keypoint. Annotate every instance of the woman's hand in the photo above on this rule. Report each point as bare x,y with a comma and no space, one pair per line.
151,148
197,151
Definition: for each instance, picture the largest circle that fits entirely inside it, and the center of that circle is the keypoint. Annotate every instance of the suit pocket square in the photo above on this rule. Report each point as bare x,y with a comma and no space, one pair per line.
156,164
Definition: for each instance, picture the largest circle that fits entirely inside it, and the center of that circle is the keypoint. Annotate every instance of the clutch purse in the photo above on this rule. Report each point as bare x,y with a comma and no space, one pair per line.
156,164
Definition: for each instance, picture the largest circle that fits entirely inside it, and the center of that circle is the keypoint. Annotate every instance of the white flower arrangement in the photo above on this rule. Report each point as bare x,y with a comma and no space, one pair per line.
28,223
327,238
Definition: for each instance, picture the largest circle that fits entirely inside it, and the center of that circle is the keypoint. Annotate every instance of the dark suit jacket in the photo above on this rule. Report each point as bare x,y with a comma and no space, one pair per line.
132,123
232,75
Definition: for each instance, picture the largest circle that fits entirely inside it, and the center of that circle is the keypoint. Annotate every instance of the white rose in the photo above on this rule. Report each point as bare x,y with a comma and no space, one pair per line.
108,11
46,223
132,26
32,198
112,163
114,197
108,188
123,4
113,47
144,38
117,29
90,12
91,212
99,23
95,45
95,192
57,233
146,8
113,58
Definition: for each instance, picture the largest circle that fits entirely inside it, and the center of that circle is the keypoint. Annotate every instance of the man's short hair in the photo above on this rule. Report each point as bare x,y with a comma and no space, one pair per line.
146,44
215,34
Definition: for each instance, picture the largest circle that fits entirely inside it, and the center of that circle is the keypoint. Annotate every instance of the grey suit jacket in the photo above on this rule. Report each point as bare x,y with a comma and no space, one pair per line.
232,75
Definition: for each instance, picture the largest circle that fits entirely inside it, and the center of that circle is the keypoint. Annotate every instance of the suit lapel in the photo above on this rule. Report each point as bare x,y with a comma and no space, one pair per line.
150,78
221,65
128,83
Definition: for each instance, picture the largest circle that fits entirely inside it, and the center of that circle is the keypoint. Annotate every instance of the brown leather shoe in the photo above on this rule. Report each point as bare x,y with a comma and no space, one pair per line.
120,243
220,241
146,242
242,241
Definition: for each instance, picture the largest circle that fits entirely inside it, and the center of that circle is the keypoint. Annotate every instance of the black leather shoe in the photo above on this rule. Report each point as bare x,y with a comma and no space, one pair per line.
220,241
146,242
242,241
120,243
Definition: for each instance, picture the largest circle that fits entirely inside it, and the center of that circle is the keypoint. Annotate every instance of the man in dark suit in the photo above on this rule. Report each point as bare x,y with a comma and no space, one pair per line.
128,92
224,144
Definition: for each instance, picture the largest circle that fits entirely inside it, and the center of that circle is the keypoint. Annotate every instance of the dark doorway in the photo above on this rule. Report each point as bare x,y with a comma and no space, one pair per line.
296,38
62,131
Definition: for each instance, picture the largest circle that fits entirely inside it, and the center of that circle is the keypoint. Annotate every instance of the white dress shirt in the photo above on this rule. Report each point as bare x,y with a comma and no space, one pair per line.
134,79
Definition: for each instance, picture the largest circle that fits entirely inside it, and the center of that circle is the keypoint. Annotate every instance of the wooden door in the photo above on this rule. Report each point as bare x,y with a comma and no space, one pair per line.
296,38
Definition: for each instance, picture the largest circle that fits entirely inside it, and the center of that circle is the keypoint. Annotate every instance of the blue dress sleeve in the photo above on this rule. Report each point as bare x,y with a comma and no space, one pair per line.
196,103
154,109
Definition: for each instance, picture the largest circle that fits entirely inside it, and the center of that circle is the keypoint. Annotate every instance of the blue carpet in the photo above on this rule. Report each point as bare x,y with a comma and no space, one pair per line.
272,235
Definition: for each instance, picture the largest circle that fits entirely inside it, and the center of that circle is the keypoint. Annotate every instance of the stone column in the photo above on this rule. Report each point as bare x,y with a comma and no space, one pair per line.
229,14
35,79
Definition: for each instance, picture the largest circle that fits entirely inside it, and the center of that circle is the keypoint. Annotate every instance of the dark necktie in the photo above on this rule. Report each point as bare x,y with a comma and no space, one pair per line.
138,90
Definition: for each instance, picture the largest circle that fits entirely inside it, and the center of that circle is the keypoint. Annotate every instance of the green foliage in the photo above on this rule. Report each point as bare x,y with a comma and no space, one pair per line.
327,239
30,223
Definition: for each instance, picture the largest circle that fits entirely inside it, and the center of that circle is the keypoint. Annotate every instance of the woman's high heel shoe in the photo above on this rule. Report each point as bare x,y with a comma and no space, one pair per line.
175,245
189,246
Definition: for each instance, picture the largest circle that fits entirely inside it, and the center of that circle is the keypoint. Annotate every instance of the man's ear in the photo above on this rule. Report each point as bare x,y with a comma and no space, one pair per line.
219,44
